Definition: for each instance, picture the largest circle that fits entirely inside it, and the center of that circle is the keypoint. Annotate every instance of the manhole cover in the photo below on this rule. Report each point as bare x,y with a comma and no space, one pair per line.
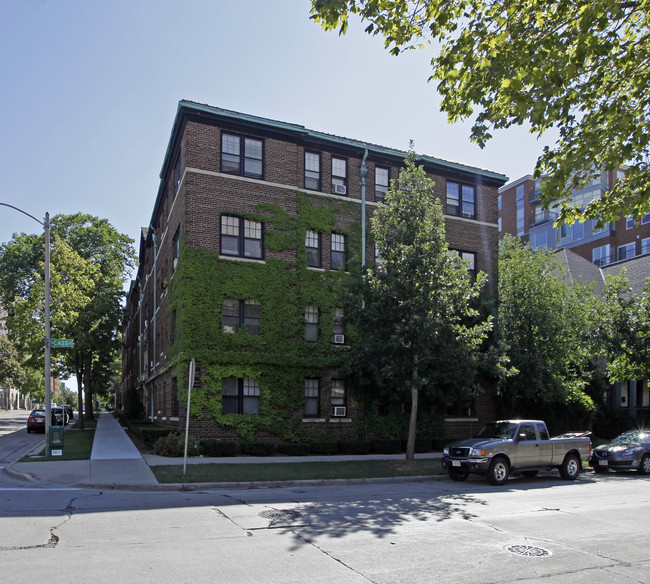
528,550
276,514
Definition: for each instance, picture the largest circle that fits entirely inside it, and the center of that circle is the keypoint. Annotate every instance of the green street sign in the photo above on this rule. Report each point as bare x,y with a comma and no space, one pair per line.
63,343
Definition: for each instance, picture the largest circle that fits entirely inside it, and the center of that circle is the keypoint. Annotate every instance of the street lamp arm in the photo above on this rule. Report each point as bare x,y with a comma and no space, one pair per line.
23,212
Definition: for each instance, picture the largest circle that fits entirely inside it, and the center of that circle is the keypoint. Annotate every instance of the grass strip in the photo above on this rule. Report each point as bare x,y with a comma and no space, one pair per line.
295,471
76,446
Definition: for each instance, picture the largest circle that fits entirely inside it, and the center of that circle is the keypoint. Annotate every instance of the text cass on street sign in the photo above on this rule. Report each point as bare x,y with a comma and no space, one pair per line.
65,343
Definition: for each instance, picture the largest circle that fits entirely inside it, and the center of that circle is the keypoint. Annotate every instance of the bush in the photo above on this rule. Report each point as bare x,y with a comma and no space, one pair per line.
257,448
174,445
423,445
354,447
324,448
387,447
218,448
294,449
149,433
133,408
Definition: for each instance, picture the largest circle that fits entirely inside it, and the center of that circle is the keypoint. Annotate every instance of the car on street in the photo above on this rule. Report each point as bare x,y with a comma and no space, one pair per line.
629,451
36,419
68,410
508,447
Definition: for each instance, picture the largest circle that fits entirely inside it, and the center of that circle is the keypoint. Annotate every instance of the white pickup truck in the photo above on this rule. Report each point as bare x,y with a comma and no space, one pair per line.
517,447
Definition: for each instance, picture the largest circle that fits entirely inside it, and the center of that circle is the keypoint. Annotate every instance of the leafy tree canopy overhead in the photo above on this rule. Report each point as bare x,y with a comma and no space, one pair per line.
582,67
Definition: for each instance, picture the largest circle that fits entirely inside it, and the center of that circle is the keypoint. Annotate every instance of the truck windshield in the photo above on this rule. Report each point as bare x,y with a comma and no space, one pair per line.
502,430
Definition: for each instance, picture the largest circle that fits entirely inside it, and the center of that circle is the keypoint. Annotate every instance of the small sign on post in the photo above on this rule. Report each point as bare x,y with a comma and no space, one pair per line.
62,343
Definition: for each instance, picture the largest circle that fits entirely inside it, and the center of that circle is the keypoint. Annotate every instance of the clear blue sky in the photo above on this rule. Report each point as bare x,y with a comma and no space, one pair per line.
90,90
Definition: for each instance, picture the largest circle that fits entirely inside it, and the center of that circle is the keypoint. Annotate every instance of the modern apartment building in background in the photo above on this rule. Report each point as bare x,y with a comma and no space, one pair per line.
255,223
521,215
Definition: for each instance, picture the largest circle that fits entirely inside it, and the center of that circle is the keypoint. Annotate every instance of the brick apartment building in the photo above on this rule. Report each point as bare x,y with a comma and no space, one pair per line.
254,224
520,215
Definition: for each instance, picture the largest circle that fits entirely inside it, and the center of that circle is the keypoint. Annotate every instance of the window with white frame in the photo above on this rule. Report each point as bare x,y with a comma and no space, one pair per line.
337,397
312,171
241,237
645,245
237,313
241,155
381,183
338,332
312,247
312,324
626,251
312,398
601,255
339,176
338,252
240,396
629,222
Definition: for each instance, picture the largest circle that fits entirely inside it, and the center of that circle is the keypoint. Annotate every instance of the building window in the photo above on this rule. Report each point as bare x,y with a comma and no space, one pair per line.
600,255
629,222
312,398
379,261
625,395
626,251
499,202
468,256
500,224
312,246
645,219
337,398
339,176
241,312
241,237
521,220
241,155
176,247
645,245
338,332
381,183
312,320
240,396
539,239
461,200
338,252
312,171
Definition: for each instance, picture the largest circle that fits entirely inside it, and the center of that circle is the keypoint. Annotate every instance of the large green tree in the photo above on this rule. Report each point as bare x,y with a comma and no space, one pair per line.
625,330
544,323
581,67
90,261
415,312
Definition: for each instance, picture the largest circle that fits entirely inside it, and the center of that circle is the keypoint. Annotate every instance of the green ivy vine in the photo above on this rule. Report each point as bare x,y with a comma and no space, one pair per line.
278,358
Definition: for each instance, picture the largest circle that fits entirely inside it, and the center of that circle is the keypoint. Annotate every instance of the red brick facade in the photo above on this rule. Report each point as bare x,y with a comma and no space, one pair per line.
195,192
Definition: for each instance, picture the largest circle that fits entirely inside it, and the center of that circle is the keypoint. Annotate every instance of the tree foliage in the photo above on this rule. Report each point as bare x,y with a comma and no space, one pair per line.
419,330
544,324
625,330
11,371
582,67
90,261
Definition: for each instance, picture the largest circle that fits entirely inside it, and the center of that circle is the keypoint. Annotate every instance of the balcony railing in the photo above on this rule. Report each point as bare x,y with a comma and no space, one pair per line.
544,217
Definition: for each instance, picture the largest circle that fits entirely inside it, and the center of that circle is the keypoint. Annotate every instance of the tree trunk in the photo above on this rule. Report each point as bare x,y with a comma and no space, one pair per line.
88,393
410,444
80,399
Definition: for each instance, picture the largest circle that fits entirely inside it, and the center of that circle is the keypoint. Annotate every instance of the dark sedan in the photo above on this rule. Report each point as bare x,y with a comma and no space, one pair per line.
36,420
629,451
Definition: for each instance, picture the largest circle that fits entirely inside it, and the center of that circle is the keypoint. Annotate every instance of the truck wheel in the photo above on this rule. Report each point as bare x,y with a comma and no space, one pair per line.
644,468
570,468
499,471
457,475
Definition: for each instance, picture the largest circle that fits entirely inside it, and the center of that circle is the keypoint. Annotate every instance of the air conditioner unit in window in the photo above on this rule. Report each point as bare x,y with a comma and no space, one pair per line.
339,189
339,411
339,339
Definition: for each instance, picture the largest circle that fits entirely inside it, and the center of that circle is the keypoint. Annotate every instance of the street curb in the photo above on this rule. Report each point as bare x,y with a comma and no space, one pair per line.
261,484
20,475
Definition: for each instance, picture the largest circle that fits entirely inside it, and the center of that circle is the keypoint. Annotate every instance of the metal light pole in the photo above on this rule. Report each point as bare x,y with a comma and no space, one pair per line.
48,388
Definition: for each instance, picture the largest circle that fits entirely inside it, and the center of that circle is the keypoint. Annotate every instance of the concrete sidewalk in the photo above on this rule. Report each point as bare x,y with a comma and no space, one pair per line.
115,463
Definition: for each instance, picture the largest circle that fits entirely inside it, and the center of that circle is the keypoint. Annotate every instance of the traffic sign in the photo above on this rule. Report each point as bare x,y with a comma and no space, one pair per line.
63,343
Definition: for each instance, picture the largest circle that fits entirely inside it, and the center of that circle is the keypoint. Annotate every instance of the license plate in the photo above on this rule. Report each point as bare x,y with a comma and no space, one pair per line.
602,463
455,463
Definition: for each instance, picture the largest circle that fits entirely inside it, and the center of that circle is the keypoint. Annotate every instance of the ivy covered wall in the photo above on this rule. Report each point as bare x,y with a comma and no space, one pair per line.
278,358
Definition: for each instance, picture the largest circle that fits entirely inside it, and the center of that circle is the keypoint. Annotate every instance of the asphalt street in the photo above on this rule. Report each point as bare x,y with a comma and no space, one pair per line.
593,530
15,442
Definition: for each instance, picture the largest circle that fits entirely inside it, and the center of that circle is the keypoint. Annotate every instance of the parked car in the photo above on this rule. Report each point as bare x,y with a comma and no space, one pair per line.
59,416
629,451
36,419
517,447
68,409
